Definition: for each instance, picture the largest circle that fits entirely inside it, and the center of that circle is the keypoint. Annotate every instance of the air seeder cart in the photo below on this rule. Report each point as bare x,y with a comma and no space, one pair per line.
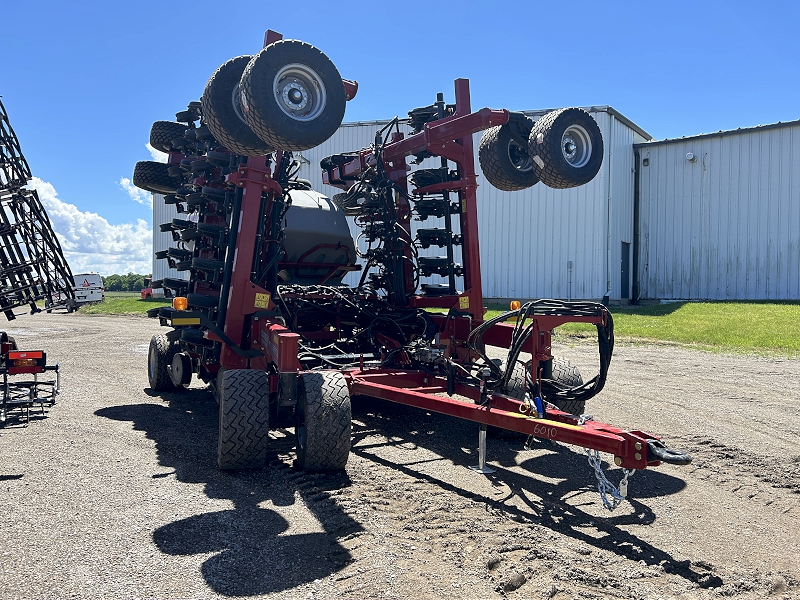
265,317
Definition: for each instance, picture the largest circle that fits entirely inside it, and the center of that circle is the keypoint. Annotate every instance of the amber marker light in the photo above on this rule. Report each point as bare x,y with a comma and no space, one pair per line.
515,305
180,303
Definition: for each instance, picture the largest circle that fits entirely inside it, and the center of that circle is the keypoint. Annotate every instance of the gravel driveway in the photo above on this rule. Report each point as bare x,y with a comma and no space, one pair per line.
115,493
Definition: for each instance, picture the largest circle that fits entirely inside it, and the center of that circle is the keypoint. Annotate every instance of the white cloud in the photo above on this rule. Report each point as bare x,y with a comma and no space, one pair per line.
139,195
136,194
157,155
91,243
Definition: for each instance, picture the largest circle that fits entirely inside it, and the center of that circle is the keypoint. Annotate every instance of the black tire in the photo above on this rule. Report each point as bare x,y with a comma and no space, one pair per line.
7,339
221,111
323,426
516,389
566,148
565,373
506,164
243,419
292,95
154,177
163,132
159,358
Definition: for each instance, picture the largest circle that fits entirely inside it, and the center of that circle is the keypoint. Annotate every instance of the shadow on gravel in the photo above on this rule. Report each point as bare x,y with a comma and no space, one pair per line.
445,436
253,555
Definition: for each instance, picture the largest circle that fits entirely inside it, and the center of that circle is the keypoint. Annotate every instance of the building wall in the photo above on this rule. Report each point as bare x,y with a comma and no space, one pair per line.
164,213
529,238
727,225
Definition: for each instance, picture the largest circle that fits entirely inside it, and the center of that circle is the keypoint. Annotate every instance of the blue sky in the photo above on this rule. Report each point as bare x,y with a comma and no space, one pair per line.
83,81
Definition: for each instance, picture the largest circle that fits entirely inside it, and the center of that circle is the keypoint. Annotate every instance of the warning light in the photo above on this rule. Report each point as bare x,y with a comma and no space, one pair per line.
515,305
180,303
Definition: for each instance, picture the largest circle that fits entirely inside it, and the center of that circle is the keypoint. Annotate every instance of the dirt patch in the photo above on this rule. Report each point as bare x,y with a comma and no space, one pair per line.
116,492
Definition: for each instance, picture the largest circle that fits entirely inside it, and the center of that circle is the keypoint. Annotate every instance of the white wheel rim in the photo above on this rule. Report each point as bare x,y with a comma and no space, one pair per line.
299,92
576,146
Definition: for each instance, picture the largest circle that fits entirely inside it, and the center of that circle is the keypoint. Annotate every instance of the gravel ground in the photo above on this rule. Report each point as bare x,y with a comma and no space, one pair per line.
115,492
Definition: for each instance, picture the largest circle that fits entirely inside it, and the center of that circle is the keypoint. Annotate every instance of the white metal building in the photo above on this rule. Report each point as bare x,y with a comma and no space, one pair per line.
541,242
719,215
537,243
164,213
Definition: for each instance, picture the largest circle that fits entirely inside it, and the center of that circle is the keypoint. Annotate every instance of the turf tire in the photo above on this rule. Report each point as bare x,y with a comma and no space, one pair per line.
323,424
223,118
550,159
505,164
243,419
268,113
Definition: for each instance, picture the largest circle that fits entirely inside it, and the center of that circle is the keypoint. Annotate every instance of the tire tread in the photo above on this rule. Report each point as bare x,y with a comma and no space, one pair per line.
328,421
497,168
243,419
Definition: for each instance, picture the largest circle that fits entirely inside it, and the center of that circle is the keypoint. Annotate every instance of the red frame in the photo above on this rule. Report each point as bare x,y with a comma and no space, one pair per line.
261,339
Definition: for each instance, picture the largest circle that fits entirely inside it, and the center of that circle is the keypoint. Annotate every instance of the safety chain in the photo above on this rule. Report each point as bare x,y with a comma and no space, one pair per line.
604,486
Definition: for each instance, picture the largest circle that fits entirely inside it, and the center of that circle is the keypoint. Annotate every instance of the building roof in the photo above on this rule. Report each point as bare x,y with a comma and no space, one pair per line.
537,113
739,130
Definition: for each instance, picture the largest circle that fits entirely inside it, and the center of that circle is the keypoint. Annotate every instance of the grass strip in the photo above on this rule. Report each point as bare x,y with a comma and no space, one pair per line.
746,327
121,305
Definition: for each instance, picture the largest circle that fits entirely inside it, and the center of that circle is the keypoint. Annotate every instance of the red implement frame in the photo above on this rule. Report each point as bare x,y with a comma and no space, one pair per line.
262,339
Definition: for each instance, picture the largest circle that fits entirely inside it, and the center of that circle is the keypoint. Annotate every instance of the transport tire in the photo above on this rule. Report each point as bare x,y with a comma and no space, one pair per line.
292,95
243,419
163,132
159,359
506,164
154,177
565,373
323,425
566,148
222,114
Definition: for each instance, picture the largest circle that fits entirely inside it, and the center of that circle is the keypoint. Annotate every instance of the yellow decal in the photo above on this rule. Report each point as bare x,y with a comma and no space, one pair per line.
464,205
463,302
186,321
560,424
262,301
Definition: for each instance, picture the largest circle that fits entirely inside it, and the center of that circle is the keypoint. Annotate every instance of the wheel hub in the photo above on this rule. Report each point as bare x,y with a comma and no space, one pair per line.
300,92
294,96
576,146
519,157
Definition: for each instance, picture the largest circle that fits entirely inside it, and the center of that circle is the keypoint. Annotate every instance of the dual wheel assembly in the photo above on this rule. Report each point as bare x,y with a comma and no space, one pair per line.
563,149
290,96
322,414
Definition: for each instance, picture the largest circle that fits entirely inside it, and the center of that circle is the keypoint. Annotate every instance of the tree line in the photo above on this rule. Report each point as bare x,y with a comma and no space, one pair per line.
132,282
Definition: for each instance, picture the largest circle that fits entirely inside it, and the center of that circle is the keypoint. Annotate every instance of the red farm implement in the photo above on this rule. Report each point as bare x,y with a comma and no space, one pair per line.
265,317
